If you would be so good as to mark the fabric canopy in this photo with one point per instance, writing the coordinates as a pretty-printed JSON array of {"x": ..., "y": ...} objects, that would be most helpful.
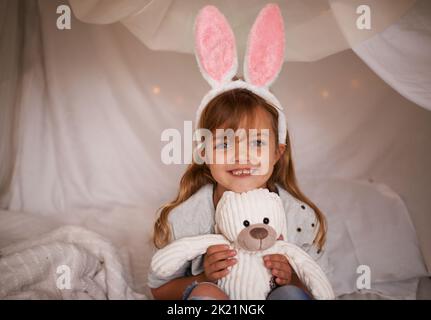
[
  {"x": 401, "y": 54},
  {"x": 398, "y": 50},
  {"x": 314, "y": 29}
]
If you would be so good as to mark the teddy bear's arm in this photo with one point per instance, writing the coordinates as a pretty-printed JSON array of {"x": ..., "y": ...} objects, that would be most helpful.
[
  {"x": 169, "y": 259},
  {"x": 308, "y": 271}
]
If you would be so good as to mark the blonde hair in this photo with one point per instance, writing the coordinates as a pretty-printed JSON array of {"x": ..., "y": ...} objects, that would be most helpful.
[{"x": 227, "y": 110}]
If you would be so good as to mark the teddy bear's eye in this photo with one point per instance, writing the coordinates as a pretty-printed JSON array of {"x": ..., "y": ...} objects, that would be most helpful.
[
  {"x": 246, "y": 223},
  {"x": 265, "y": 220}
]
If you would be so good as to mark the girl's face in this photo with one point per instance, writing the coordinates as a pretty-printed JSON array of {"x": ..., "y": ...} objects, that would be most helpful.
[{"x": 249, "y": 159}]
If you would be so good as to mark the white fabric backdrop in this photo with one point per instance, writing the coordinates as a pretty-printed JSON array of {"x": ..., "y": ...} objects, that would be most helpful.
[
  {"x": 314, "y": 28},
  {"x": 11, "y": 34},
  {"x": 401, "y": 54},
  {"x": 400, "y": 31},
  {"x": 94, "y": 100}
]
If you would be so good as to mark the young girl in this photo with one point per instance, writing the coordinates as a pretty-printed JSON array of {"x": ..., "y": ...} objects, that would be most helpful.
[
  {"x": 201, "y": 187},
  {"x": 237, "y": 104}
]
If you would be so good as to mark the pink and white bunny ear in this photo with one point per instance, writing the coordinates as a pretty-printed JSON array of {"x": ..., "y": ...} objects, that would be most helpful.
[
  {"x": 265, "y": 48},
  {"x": 215, "y": 46}
]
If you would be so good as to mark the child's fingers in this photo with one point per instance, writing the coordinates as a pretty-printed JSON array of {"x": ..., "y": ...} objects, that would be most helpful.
[
  {"x": 223, "y": 264},
  {"x": 220, "y": 255},
  {"x": 276, "y": 257},
  {"x": 281, "y": 282},
  {"x": 216, "y": 248},
  {"x": 281, "y": 274},
  {"x": 278, "y": 265},
  {"x": 280, "y": 268},
  {"x": 219, "y": 274}
]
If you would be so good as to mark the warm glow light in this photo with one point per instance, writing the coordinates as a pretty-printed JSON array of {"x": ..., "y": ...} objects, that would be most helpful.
[
  {"x": 354, "y": 83},
  {"x": 156, "y": 89},
  {"x": 324, "y": 93}
]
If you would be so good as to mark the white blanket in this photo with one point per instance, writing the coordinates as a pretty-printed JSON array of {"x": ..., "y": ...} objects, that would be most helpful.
[{"x": 67, "y": 263}]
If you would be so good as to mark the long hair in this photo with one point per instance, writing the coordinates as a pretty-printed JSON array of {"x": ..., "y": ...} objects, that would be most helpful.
[{"x": 227, "y": 110}]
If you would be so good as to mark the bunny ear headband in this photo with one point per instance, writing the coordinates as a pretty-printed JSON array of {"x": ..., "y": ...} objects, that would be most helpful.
[{"x": 215, "y": 51}]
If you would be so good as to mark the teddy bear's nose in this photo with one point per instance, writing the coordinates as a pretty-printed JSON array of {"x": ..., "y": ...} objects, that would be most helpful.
[{"x": 259, "y": 233}]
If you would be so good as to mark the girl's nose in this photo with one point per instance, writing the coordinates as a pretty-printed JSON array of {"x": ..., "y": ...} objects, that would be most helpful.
[{"x": 241, "y": 152}]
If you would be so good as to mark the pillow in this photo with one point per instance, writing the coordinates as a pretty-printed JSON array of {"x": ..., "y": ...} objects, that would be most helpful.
[{"x": 368, "y": 224}]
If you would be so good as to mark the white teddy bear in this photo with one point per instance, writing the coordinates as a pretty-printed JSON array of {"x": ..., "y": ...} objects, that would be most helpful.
[{"x": 250, "y": 222}]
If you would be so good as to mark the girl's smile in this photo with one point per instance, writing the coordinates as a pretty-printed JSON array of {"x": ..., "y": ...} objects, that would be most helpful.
[{"x": 243, "y": 172}]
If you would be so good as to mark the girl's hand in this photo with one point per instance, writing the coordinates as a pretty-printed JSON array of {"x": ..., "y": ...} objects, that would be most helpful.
[
  {"x": 280, "y": 268},
  {"x": 217, "y": 259}
]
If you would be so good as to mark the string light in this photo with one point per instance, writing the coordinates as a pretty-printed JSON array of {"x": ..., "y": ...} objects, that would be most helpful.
[
  {"x": 354, "y": 83},
  {"x": 324, "y": 93},
  {"x": 156, "y": 89}
]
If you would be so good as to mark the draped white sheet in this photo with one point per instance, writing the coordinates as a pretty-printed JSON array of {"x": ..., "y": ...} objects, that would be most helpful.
[
  {"x": 11, "y": 35},
  {"x": 314, "y": 28},
  {"x": 400, "y": 32},
  {"x": 92, "y": 103},
  {"x": 401, "y": 54}
]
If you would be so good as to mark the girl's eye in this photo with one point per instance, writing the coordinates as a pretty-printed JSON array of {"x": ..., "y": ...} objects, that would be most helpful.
[
  {"x": 265, "y": 220},
  {"x": 246, "y": 223},
  {"x": 258, "y": 143},
  {"x": 222, "y": 145}
]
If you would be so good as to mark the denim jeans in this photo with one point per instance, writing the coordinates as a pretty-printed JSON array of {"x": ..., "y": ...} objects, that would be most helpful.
[
  {"x": 190, "y": 288},
  {"x": 287, "y": 292}
]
